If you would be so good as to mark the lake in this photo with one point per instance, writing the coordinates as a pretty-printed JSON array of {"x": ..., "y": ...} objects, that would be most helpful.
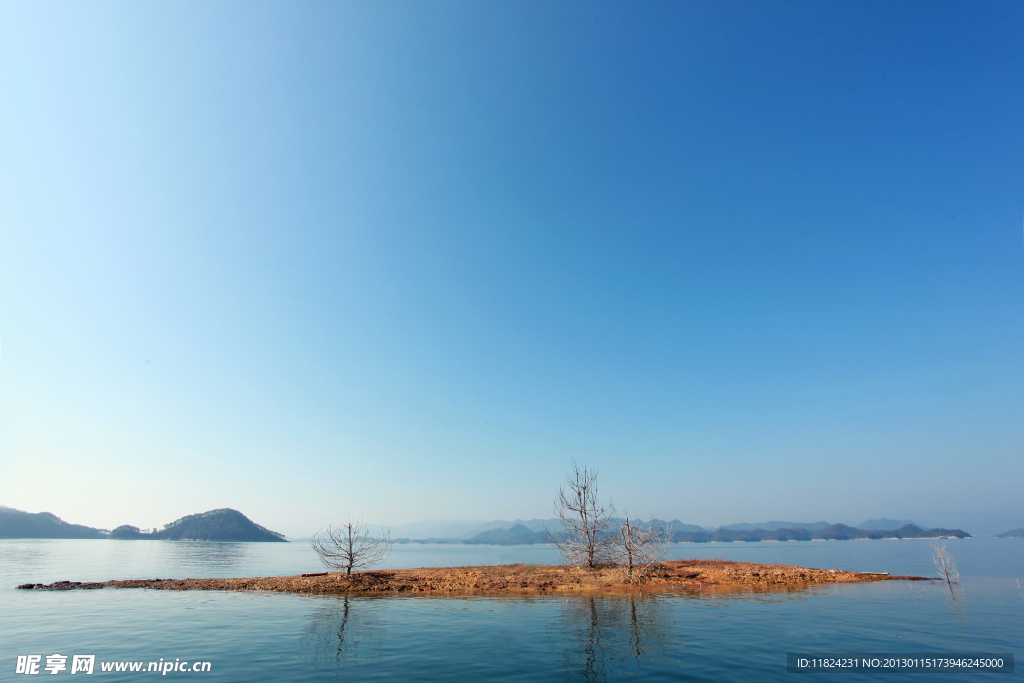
[{"x": 673, "y": 636}]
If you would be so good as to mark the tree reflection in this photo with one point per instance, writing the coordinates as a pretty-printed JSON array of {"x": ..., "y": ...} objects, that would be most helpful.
[
  {"x": 345, "y": 630},
  {"x": 614, "y": 635}
]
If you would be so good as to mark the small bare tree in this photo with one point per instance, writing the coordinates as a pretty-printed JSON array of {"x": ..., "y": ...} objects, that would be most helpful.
[
  {"x": 584, "y": 538},
  {"x": 640, "y": 547},
  {"x": 351, "y": 545},
  {"x": 944, "y": 563}
]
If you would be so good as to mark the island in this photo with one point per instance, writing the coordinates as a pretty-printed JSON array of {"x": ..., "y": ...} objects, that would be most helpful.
[
  {"x": 832, "y": 532},
  {"x": 516, "y": 579},
  {"x": 224, "y": 524},
  {"x": 518, "y": 533}
]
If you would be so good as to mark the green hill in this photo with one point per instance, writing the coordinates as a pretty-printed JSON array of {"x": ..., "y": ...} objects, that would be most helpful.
[
  {"x": 216, "y": 525},
  {"x": 20, "y": 524}
]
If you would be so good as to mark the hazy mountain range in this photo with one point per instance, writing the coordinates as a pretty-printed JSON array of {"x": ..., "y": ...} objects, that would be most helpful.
[
  {"x": 231, "y": 525},
  {"x": 477, "y": 531},
  {"x": 470, "y": 531},
  {"x": 837, "y": 532},
  {"x": 534, "y": 531},
  {"x": 978, "y": 523}
]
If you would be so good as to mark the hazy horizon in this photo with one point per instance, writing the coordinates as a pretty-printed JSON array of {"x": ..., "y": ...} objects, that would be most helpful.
[
  {"x": 395, "y": 260},
  {"x": 978, "y": 523}
]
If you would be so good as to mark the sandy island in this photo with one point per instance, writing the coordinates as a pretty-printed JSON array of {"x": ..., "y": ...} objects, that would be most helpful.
[{"x": 510, "y": 579}]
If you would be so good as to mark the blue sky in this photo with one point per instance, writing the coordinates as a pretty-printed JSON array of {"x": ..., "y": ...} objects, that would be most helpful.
[{"x": 405, "y": 260}]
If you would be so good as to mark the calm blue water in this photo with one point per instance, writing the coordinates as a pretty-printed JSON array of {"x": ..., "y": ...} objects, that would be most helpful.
[{"x": 689, "y": 635}]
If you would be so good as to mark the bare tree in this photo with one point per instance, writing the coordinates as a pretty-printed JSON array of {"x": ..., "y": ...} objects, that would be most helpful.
[
  {"x": 944, "y": 563},
  {"x": 640, "y": 548},
  {"x": 351, "y": 545},
  {"x": 584, "y": 538}
]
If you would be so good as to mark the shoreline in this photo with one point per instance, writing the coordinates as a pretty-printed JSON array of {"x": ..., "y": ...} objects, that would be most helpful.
[{"x": 515, "y": 579}]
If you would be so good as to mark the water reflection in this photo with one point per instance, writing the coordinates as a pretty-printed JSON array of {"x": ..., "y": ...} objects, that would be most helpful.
[
  {"x": 211, "y": 556},
  {"x": 612, "y": 635},
  {"x": 345, "y": 630},
  {"x": 575, "y": 638},
  {"x": 175, "y": 559}
]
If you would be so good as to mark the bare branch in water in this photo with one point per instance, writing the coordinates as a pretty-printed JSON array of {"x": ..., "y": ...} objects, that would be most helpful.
[
  {"x": 944, "y": 563},
  {"x": 947, "y": 567}
]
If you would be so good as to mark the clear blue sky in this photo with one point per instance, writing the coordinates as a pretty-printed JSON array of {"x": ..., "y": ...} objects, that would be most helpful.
[{"x": 405, "y": 260}]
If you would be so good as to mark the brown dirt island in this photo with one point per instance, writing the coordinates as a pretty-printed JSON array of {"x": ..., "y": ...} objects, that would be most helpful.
[{"x": 512, "y": 579}]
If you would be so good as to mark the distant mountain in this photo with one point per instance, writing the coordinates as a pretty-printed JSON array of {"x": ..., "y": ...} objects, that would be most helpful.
[
  {"x": 443, "y": 531},
  {"x": 839, "y": 532},
  {"x": 836, "y": 532},
  {"x": 438, "y": 528},
  {"x": 19, "y": 524},
  {"x": 769, "y": 526},
  {"x": 676, "y": 525},
  {"x": 516, "y": 535},
  {"x": 1012, "y": 533},
  {"x": 500, "y": 532},
  {"x": 981, "y": 523},
  {"x": 883, "y": 524},
  {"x": 519, "y": 532},
  {"x": 536, "y": 524},
  {"x": 746, "y": 535},
  {"x": 531, "y": 524},
  {"x": 448, "y": 531},
  {"x": 216, "y": 525}
]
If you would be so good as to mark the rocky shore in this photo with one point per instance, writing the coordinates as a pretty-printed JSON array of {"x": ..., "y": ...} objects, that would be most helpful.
[{"x": 509, "y": 579}]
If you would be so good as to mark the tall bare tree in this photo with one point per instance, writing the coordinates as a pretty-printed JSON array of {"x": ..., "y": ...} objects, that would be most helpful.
[
  {"x": 584, "y": 538},
  {"x": 641, "y": 547},
  {"x": 349, "y": 546}
]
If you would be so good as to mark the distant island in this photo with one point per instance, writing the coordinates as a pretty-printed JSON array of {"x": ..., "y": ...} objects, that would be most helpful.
[
  {"x": 20, "y": 524},
  {"x": 215, "y": 525},
  {"x": 519, "y": 534},
  {"x": 832, "y": 532},
  {"x": 1012, "y": 533}
]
